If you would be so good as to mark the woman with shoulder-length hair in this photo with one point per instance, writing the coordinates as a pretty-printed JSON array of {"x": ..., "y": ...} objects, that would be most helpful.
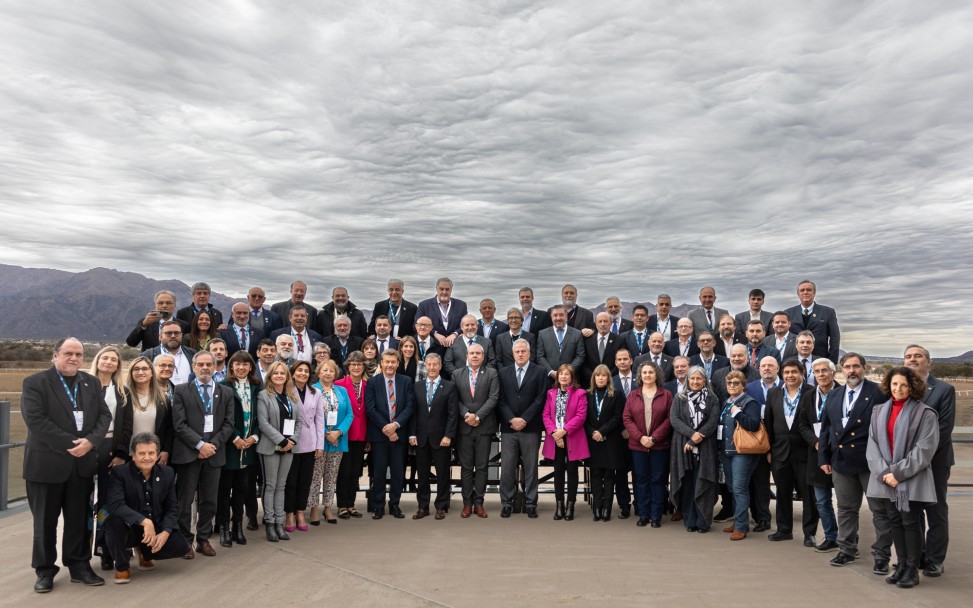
[
  {"x": 902, "y": 440},
  {"x": 279, "y": 421},
  {"x": 603, "y": 427},
  {"x": 740, "y": 410},
  {"x": 369, "y": 348},
  {"x": 564, "y": 416},
  {"x": 350, "y": 468},
  {"x": 241, "y": 455},
  {"x": 201, "y": 331},
  {"x": 646, "y": 418},
  {"x": 337, "y": 420},
  {"x": 693, "y": 458},
  {"x": 409, "y": 363},
  {"x": 308, "y": 448}
]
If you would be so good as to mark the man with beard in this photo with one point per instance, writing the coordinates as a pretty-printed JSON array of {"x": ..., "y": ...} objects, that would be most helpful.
[
  {"x": 284, "y": 347},
  {"x": 613, "y": 306},
  {"x": 217, "y": 348},
  {"x": 756, "y": 349},
  {"x": 304, "y": 339},
  {"x": 340, "y": 306},
  {"x": 577, "y": 317},
  {"x": 707, "y": 357},
  {"x": 172, "y": 345},
  {"x": 727, "y": 335},
  {"x": 342, "y": 342}
]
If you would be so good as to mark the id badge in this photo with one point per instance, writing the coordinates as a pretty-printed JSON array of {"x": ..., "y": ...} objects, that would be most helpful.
[
  {"x": 817, "y": 429},
  {"x": 288, "y": 426},
  {"x": 333, "y": 418},
  {"x": 719, "y": 433},
  {"x": 79, "y": 420},
  {"x": 790, "y": 421},
  {"x": 208, "y": 423},
  {"x": 395, "y": 331}
]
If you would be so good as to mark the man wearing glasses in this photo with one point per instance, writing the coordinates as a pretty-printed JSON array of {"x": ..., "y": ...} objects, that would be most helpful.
[
  {"x": 172, "y": 345},
  {"x": 147, "y": 330},
  {"x": 261, "y": 317}
]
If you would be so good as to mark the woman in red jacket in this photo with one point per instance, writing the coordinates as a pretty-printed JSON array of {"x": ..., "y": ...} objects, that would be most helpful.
[
  {"x": 566, "y": 444},
  {"x": 646, "y": 418}
]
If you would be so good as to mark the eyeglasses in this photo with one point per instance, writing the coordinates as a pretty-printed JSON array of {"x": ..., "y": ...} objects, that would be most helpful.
[
  {"x": 172, "y": 333},
  {"x": 733, "y": 383},
  {"x": 141, "y": 370},
  {"x": 166, "y": 366},
  {"x": 254, "y": 296}
]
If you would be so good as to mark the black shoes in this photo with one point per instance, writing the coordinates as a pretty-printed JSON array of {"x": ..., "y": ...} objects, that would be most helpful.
[
  {"x": 237, "y": 533},
  {"x": 881, "y": 567},
  {"x": 842, "y": 559},
  {"x": 271, "y": 530},
  {"x": 624, "y": 512},
  {"x": 225, "y": 539},
  {"x": 724, "y": 515},
  {"x": 252, "y": 524},
  {"x": 779, "y": 536},
  {"x": 909, "y": 578},
  {"x": 396, "y": 512},
  {"x": 655, "y": 523},
  {"x": 828, "y": 546},
  {"x": 933, "y": 570},
  {"x": 505, "y": 511},
  {"x": 87, "y": 576},
  {"x": 642, "y": 522},
  {"x": 569, "y": 511},
  {"x": 809, "y": 541},
  {"x": 45, "y": 582},
  {"x": 532, "y": 512},
  {"x": 378, "y": 513},
  {"x": 558, "y": 511},
  {"x": 762, "y": 526}
]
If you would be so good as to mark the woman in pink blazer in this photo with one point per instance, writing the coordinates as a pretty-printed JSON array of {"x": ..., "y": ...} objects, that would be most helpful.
[{"x": 566, "y": 444}]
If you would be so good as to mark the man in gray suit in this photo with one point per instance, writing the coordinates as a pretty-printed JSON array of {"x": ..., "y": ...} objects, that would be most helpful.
[
  {"x": 755, "y": 313},
  {"x": 707, "y": 316},
  {"x": 560, "y": 344},
  {"x": 478, "y": 388},
  {"x": 456, "y": 352},
  {"x": 781, "y": 337}
]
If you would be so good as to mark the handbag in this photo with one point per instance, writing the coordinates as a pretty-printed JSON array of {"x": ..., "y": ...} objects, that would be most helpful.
[{"x": 751, "y": 442}]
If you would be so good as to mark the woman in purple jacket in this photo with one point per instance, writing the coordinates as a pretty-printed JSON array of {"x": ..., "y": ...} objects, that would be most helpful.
[
  {"x": 310, "y": 445},
  {"x": 566, "y": 444}
]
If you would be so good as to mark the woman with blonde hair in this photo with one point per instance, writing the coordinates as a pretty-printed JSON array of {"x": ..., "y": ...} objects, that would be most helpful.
[{"x": 279, "y": 421}]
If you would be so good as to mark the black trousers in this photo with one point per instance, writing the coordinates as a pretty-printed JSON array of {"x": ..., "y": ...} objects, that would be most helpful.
[
  {"x": 427, "y": 456},
  {"x": 389, "y": 459},
  {"x": 937, "y": 518},
  {"x": 906, "y": 531},
  {"x": 233, "y": 494},
  {"x": 563, "y": 467},
  {"x": 255, "y": 483},
  {"x": 47, "y": 501},
  {"x": 197, "y": 477},
  {"x": 622, "y": 492},
  {"x": 120, "y": 537},
  {"x": 104, "y": 459},
  {"x": 349, "y": 473},
  {"x": 760, "y": 491},
  {"x": 789, "y": 476},
  {"x": 602, "y": 483},
  {"x": 299, "y": 482}
]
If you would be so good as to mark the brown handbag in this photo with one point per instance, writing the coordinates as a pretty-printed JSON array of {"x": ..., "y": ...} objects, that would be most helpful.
[{"x": 751, "y": 442}]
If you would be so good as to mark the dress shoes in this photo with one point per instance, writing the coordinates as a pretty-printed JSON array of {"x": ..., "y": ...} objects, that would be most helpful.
[
  {"x": 828, "y": 546},
  {"x": 189, "y": 554},
  {"x": 762, "y": 526},
  {"x": 532, "y": 512},
  {"x": 624, "y": 512},
  {"x": 478, "y": 509},
  {"x": 933, "y": 570},
  {"x": 702, "y": 530},
  {"x": 107, "y": 563},
  {"x": 677, "y": 516},
  {"x": 252, "y": 524},
  {"x": 569, "y": 511},
  {"x": 378, "y": 513},
  {"x": 396, "y": 512},
  {"x": 842, "y": 559},
  {"x": 467, "y": 511},
  {"x": 655, "y": 523},
  {"x": 123, "y": 577},
  {"x": 558, "y": 510},
  {"x": 724, "y": 515},
  {"x": 88, "y": 577},
  {"x": 737, "y": 535},
  {"x": 237, "y": 534},
  {"x": 203, "y": 546},
  {"x": 45, "y": 582},
  {"x": 779, "y": 536},
  {"x": 282, "y": 533},
  {"x": 729, "y": 529},
  {"x": 881, "y": 567},
  {"x": 440, "y": 514},
  {"x": 642, "y": 522},
  {"x": 809, "y": 541},
  {"x": 421, "y": 513},
  {"x": 505, "y": 511}
]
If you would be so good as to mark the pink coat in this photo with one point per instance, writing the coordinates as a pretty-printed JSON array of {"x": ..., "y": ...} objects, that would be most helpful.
[{"x": 575, "y": 412}]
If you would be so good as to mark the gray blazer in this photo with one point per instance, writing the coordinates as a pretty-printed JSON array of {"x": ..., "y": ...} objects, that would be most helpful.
[
  {"x": 700, "y": 324},
  {"x": 483, "y": 404},
  {"x": 915, "y": 467},
  {"x": 743, "y": 319},
  {"x": 268, "y": 419},
  {"x": 790, "y": 347},
  {"x": 550, "y": 356},
  {"x": 503, "y": 348},
  {"x": 456, "y": 354}
]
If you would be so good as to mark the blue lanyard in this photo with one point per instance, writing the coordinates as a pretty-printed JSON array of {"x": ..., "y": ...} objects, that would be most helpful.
[
  {"x": 823, "y": 399},
  {"x": 73, "y": 397},
  {"x": 789, "y": 404},
  {"x": 207, "y": 405},
  {"x": 598, "y": 402},
  {"x": 286, "y": 402},
  {"x": 392, "y": 314}
]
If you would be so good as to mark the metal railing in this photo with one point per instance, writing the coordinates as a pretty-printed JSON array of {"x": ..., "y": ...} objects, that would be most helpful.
[{"x": 5, "y": 447}]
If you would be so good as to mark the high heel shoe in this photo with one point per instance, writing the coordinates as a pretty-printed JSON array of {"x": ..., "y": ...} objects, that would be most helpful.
[
  {"x": 329, "y": 517},
  {"x": 314, "y": 519}
]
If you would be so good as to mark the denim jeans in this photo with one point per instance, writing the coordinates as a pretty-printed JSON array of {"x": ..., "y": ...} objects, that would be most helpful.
[
  {"x": 822, "y": 497},
  {"x": 738, "y": 468}
]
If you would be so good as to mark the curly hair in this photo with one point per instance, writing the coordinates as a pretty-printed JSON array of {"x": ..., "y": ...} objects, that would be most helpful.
[{"x": 917, "y": 386}]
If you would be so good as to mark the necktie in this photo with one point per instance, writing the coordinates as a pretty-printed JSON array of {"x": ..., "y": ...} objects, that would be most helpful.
[
  {"x": 243, "y": 338},
  {"x": 429, "y": 386},
  {"x": 560, "y": 338},
  {"x": 627, "y": 385},
  {"x": 709, "y": 318},
  {"x": 601, "y": 348},
  {"x": 381, "y": 348},
  {"x": 638, "y": 338},
  {"x": 208, "y": 403},
  {"x": 753, "y": 357},
  {"x": 520, "y": 376},
  {"x": 472, "y": 383},
  {"x": 300, "y": 342},
  {"x": 471, "y": 342},
  {"x": 391, "y": 400},
  {"x": 851, "y": 400},
  {"x": 807, "y": 368},
  {"x": 806, "y": 316},
  {"x": 615, "y": 326},
  {"x": 656, "y": 359}
]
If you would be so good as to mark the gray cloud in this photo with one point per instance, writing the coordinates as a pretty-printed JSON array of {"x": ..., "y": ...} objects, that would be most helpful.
[{"x": 627, "y": 148}]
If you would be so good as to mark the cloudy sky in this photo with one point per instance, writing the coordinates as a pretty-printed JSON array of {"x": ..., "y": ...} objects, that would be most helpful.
[{"x": 627, "y": 147}]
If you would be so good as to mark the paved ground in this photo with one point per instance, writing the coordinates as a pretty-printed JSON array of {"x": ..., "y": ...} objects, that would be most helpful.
[{"x": 497, "y": 562}]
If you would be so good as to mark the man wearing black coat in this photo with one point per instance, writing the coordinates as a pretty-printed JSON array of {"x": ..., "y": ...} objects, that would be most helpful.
[{"x": 431, "y": 431}]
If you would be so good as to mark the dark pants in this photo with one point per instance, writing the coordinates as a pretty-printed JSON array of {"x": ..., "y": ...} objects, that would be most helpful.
[
  {"x": 197, "y": 477},
  {"x": 120, "y": 537},
  {"x": 427, "y": 456},
  {"x": 651, "y": 472},
  {"x": 389, "y": 457},
  {"x": 788, "y": 475},
  {"x": 602, "y": 483},
  {"x": 255, "y": 484},
  {"x": 349, "y": 472},
  {"x": 299, "y": 482},
  {"x": 233, "y": 494},
  {"x": 906, "y": 531},
  {"x": 47, "y": 501},
  {"x": 622, "y": 492},
  {"x": 691, "y": 517},
  {"x": 474, "y": 457},
  {"x": 760, "y": 491},
  {"x": 563, "y": 467},
  {"x": 104, "y": 459},
  {"x": 937, "y": 518}
]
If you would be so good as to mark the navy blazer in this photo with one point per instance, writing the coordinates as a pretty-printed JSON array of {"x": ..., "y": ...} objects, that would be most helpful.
[
  {"x": 653, "y": 325},
  {"x": 539, "y": 319},
  {"x": 719, "y": 362},
  {"x": 629, "y": 342},
  {"x": 790, "y": 346},
  {"x": 499, "y": 327},
  {"x": 503, "y": 347},
  {"x": 672, "y": 347},
  {"x": 231, "y": 335},
  {"x": 406, "y": 319},
  {"x": 269, "y": 321},
  {"x": 823, "y": 324},
  {"x": 377, "y": 406},
  {"x": 526, "y": 401},
  {"x": 941, "y": 396},
  {"x": 433, "y": 421},
  {"x": 430, "y": 308},
  {"x": 633, "y": 385},
  {"x": 313, "y": 336},
  {"x": 126, "y": 495},
  {"x": 843, "y": 447}
]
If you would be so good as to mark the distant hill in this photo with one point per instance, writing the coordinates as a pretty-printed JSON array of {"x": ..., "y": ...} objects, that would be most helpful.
[
  {"x": 967, "y": 356},
  {"x": 100, "y": 304}
]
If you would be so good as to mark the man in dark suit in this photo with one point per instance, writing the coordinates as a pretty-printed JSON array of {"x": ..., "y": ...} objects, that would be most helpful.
[
  {"x": 636, "y": 340},
  {"x": 390, "y": 403},
  {"x": 182, "y": 356},
  {"x": 600, "y": 348},
  {"x": 432, "y": 431},
  {"x": 707, "y": 316},
  {"x": 781, "y": 337},
  {"x": 341, "y": 342},
  {"x": 613, "y": 306},
  {"x": 202, "y": 416},
  {"x": 523, "y": 391},
  {"x": 756, "y": 349},
  {"x": 298, "y": 293},
  {"x": 400, "y": 312},
  {"x": 534, "y": 320},
  {"x": 625, "y": 382},
  {"x": 66, "y": 418},
  {"x": 240, "y": 335},
  {"x": 684, "y": 343},
  {"x": 941, "y": 396},
  {"x": 143, "y": 512},
  {"x": 503, "y": 344},
  {"x": 820, "y": 320},
  {"x": 147, "y": 330},
  {"x": 425, "y": 340},
  {"x": 680, "y": 371},
  {"x": 445, "y": 311},
  {"x": 201, "y": 294},
  {"x": 845, "y": 423},
  {"x": 560, "y": 344},
  {"x": 479, "y": 392},
  {"x": 804, "y": 345},
  {"x": 304, "y": 338},
  {"x": 577, "y": 317},
  {"x": 662, "y": 321},
  {"x": 340, "y": 306},
  {"x": 261, "y": 317},
  {"x": 383, "y": 334},
  {"x": 655, "y": 355},
  {"x": 456, "y": 354},
  {"x": 707, "y": 358},
  {"x": 726, "y": 335},
  {"x": 754, "y": 313},
  {"x": 488, "y": 326}
]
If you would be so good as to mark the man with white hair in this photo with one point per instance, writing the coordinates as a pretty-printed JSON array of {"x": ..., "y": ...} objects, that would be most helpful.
[{"x": 456, "y": 353}]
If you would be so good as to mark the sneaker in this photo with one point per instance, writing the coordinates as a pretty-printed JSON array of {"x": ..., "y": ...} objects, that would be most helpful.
[
  {"x": 842, "y": 559},
  {"x": 828, "y": 546},
  {"x": 123, "y": 577},
  {"x": 144, "y": 564}
]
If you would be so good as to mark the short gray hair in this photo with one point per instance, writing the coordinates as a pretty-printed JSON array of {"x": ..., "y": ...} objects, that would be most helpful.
[
  {"x": 200, "y": 285},
  {"x": 163, "y": 291}
]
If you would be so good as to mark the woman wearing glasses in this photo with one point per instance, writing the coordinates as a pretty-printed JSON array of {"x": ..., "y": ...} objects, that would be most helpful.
[{"x": 740, "y": 410}]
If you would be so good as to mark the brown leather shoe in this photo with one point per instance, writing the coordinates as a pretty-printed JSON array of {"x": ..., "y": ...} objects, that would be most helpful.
[
  {"x": 440, "y": 514},
  {"x": 738, "y": 535},
  {"x": 677, "y": 516},
  {"x": 191, "y": 553},
  {"x": 123, "y": 577},
  {"x": 205, "y": 548},
  {"x": 729, "y": 529},
  {"x": 421, "y": 513},
  {"x": 478, "y": 509},
  {"x": 467, "y": 511}
]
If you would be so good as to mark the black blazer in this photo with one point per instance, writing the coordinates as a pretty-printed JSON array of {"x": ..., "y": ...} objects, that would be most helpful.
[
  {"x": 231, "y": 335},
  {"x": 672, "y": 347},
  {"x": 283, "y": 309},
  {"x": 188, "y": 419},
  {"x": 719, "y": 380},
  {"x": 582, "y": 319},
  {"x": 823, "y": 323},
  {"x": 122, "y": 433},
  {"x": 539, "y": 319},
  {"x": 653, "y": 324},
  {"x": 844, "y": 447},
  {"x": 353, "y": 343},
  {"x": 629, "y": 342},
  {"x": 941, "y": 396},
  {"x": 148, "y": 337},
  {"x": 526, "y": 401},
  {"x": 430, "y": 308},
  {"x": 605, "y": 454},
  {"x": 591, "y": 359},
  {"x": 377, "y": 408},
  {"x": 187, "y": 313},
  {"x": 665, "y": 362},
  {"x": 719, "y": 362},
  {"x": 406, "y": 318},
  {"x": 785, "y": 443},
  {"x": 126, "y": 495},
  {"x": 503, "y": 348},
  {"x": 433, "y": 421},
  {"x": 623, "y": 326},
  {"x": 51, "y": 430},
  {"x": 807, "y": 419},
  {"x": 313, "y": 336},
  {"x": 324, "y": 320},
  {"x": 498, "y": 328}
]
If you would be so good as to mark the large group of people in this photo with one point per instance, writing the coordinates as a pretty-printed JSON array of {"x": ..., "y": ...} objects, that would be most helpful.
[{"x": 282, "y": 403}]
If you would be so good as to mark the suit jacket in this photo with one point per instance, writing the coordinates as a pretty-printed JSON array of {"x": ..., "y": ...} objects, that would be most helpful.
[
  {"x": 941, "y": 396},
  {"x": 592, "y": 360},
  {"x": 483, "y": 404},
  {"x": 742, "y": 320},
  {"x": 719, "y": 362},
  {"x": 755, "y": 389},
  {"x": 231, "y": 335},
  {"x": 823, "y": 324},
  {"x": 433, "y": 421},
  {"x": 790, "y": 347},
  {"x": 539, "y": 319},
  {"x": 188, "y": 312},
  {"x": 148, "y": 337},
  {"x": 498, "y": 327},
  {"x": 377, "y": 407},
  {"x": 51, "y": 429},
  {"x": 719, "y": 380},
  {"x": 653, "y": 325},
  {"x": 805, "y": 425},
  {"x": 406, "y": 318},
  {"x": 241, "y": 430},
  {"x": 844, "y": 446},
  {"x": 700, "y": 323},
  {"x": 456, "y": 354},
  {"x": 575, "y": 412},
  {"x": 620, "y": 388},
  {"x": 525, "y": 401},
  {"x": 324, "y": 320},
  {"x": 430, "y": 308},
  {"x": 268, "y": 321},
  {"x": 503, "y": 348},
  {"x": 672, "y": 347},
  {"x": 188, "y": 420},
  {"x": 720, "y": 348},
  {"x": 665, "y": 362},
  {"x": 764, "y": 350},
  {"x": 334, "y": 343},
  {"x": 571, "y": 351},
  {"x": 623, "y": 326},
  {"x": 270, "y": 424},
  {"x": 283, "y": 309},
  {"x": 582, "y": 319},
  {"x": 786, "y": 442},
  {"x": 312, "y": 336},
  {"x": 433, "y": 346},
  {"x": 672, "y": 386},
  {"x": 630, "y": 342},
  {"x": 126, "y": 495}
]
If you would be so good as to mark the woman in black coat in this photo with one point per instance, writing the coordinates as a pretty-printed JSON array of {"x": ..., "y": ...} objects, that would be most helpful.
[
  {"x": 694, "y": 453},
  {"x": 603, "y": 427}
]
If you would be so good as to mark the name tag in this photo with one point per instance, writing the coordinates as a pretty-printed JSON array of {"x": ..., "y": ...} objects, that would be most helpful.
[
  {"x": 790, "y": 421},
  {"x": 208, "y": 423},
  {"x": 333, "y": 418},
  {"x": 817, "y": 429},
  {"x": 395, "y": 330},
  {"x": 719, "y": 433},
  {"x": 844, "y": 422},
  {"x": 79, "y": 420},
  {"x": 288, "y": 426}
]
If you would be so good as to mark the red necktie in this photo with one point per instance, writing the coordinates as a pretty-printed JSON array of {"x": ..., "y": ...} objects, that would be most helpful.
[{"x": 300, "y": 342}]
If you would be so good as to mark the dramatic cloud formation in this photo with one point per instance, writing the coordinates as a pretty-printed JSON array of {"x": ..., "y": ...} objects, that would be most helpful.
[{"x": 627, "y": 147}]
